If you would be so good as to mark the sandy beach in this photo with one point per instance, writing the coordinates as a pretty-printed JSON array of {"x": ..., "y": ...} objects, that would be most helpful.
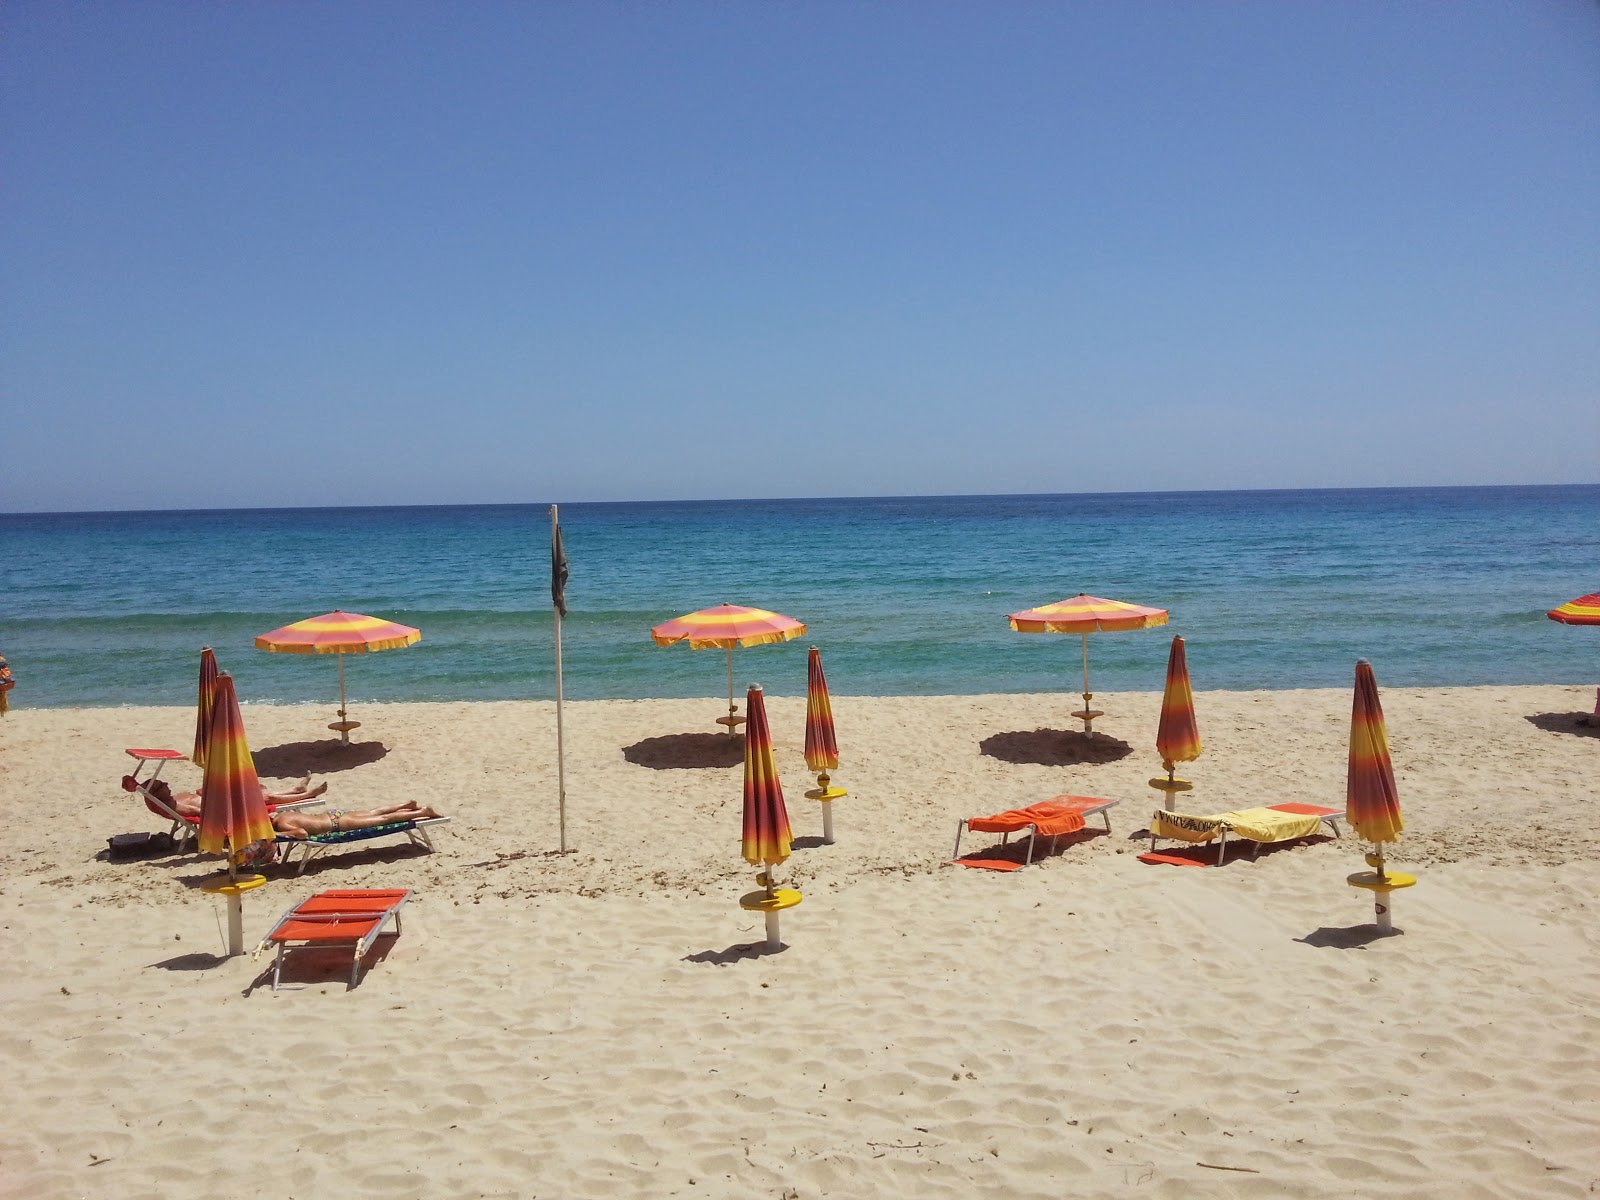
[{"x": 608, "y": 1022}]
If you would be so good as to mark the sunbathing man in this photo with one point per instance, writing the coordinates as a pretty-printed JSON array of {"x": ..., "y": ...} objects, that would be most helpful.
[
  {"x": 187, "y": 804},
  {"x": 301, "y": 825}
]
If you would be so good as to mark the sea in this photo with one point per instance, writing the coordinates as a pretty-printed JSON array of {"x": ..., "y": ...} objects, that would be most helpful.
[{"x": 903, "y": 596}]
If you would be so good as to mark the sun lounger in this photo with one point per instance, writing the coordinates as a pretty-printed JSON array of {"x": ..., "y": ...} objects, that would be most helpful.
[
  {"x": 309, "y": 847},
  {"x": 1048, "y": 818},
  {"x": 334, "y": 917},
  {"x": 183, "y": 826},
  {"x": 1274, "y": 823}
]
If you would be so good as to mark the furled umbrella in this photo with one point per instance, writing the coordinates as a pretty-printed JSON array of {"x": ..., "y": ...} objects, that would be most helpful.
[
  {"x": 1585, "y": 610},
  {"x": 339, "y": 633},
  {"x": 723, "y": 628},
  {"x": 1084, "y": 614},
  {"x": 764, "y": 839},
  {"x": 233, "y": 807},
  {"x": 822, "y": 747},
  {"x": 1372, "y": 802},
  {"x": 1177, "y": 734},
  {"x": 205, "y": 702}
]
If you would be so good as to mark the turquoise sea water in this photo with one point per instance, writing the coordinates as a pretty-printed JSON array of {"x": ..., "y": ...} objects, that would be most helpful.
[{"x": 904, "y": 596}]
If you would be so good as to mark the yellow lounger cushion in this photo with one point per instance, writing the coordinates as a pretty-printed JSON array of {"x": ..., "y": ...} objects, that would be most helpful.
[{"x": 1254, "y": 824}]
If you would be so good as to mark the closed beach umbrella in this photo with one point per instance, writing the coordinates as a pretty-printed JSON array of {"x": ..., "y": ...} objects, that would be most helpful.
[
  {"x": 1177, "y": 734},
  {"x": 1084, "y": 614},
  {"x": 723, "y": 628},
  {"x": 765, "y": 838},
  {"x": 1372, "y": 803},
  {"x": 822, "y": 748},
  {"x": 233, "y": 808},
  {"x": 203, "y": 706},
  {"x": 339, "y": 633}
]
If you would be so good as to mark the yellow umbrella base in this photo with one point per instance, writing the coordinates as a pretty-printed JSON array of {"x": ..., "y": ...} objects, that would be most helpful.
[
  {"x": 828, "y": 793},
  {"x": 731, "y": 722},
  {"x": 780, "y": 899},
  {"x": 1393, "y": 881},
  {"x": 1172, "y": 785}
]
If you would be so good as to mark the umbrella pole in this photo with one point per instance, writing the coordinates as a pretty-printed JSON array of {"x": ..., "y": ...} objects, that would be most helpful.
[
  {"x": 344, "y": 734},
  {"x": 733, "y": 709}
]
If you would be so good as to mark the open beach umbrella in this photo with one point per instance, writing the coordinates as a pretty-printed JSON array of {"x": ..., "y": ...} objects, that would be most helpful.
[
  {"x": 233, "y": 807},
  {"x": 339, "y": 633},
  {"x": 1177, "y": 734},
  {"x": 203, "y": 706},
  {"x": 822, "y": 747},
  {"x": 1084, "y": 614},
  {"x": 723, "y": 628},
  {"x": 1585, "y": 610}
]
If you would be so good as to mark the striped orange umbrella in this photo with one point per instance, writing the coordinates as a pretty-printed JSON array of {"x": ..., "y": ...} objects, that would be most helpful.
[
  {"x": 1084, "y": 614},
  {"x": 233, "y": 808},
  {"x": 1585, "y": 610},
  {"x": 1372, "y": 803},
  {"x": 203, "y": 706},
  {"x": 1177, "y": 735},
  {"x": 339, "y": 633},
  {"x": 765, "y": 838},
  {"x": 723, "y": 628},
  {"x": 822, "y": 747}
]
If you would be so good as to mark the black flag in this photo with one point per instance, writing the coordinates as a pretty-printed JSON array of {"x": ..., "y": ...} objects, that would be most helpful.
[{"x": 558, "y": 572}]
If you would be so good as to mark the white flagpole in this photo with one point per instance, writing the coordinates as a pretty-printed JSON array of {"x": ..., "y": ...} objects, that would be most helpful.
[{"x": 561, "y": 759}]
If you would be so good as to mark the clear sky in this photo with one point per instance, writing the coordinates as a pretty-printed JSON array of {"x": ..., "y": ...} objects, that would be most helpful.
[{"x": 375, "y": 253}]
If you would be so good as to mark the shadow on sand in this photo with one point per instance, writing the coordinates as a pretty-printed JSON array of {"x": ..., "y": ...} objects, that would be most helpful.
[
  {"x": 682, "y": 751},
  {"x": 733, "y": 954},
  {"x": 323, "y": 966},
  {"x": 1579, "y": 724},
  {"x": 1015, "y": 852},
  {"x": 294, "y": 759},
  {"x": 1357, "y": 937},
  {"x": 1054, "y": 747}
]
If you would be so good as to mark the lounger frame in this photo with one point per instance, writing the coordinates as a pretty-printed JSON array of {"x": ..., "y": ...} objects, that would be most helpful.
[
  {"x": 1330, "y": 819},
  {"x": 1103, "y": 810},
  {"x": 415, "y": 831},
  {"x": 348, "y": 911}
]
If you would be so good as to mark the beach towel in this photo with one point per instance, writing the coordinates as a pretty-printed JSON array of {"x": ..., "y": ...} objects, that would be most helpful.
[{"x": 1048, "y": 817}]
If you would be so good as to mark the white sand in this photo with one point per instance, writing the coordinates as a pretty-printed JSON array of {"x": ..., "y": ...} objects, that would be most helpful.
[{"x": 607, "y": 1023}]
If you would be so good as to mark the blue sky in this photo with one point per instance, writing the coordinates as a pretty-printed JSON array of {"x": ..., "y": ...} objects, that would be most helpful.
[{"x": 320, "y": 253}]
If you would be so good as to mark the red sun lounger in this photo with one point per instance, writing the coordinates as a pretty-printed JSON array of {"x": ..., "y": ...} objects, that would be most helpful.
[
  {"x": 1049, "y": 818},
  {"x": 351, "y": 917}
]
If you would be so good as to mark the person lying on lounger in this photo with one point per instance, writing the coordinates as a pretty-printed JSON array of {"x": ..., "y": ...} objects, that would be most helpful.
[
  {"x": 301, "y": 825},
  {"x": 187, "y": 804}
]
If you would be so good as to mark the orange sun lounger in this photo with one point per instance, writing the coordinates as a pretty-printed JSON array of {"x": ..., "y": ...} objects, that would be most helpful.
[
  {"x": 352, "y": 916},
  {"x": 1048, "y": 818}
]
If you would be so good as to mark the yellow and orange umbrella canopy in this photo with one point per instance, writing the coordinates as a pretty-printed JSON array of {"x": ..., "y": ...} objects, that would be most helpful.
[
  {"x": 765, "y": 838},
  {"x": 339, "y": 633},
  {"x": 203, "y": 705},
  {"x": 233, "y": 809},
  {"x": 1177, "y": 735},
  {"x": 1372, "y": 802},
  {"x": 822, "y": 747},
  {"x": 1087, "y": 614},
  {"x": 723, "y": 628},
  {"x": 1585, "y": 610},
  {"x": 1084, "y": 614}
]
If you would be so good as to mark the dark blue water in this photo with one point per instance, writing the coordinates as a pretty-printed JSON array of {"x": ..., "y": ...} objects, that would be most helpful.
[{"x": 904, "y": 596}]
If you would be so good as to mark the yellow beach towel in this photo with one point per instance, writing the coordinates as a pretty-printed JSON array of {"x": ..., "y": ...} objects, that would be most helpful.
[{"x": 1255, "y": 824}]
